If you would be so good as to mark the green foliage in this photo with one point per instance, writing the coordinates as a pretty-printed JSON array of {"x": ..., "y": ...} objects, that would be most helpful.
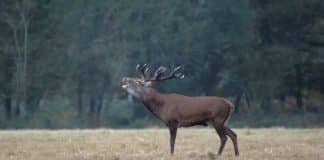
[
  {"x": 120, "y": 113},
  {"x": 259, "y": 53}
]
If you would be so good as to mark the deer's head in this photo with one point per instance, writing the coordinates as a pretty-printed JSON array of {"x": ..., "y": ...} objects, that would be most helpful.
[{"x": 141, "y": 85}]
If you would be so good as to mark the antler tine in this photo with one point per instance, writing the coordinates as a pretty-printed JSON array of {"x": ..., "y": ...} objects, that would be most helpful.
[
  {"x": 147, "y": 69},
  {"x": 158, "y": 73},
  {"x": 138, "y": 66},
  {"x": 143, "y": 69},
  {"x": 175, "y": 74}
]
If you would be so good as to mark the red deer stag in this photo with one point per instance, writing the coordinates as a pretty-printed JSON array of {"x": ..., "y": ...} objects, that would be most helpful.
[{"x": 177, "y": 110}]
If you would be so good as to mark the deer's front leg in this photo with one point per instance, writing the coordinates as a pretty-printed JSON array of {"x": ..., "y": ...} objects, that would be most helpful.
[{"x": 173, "y": 135}]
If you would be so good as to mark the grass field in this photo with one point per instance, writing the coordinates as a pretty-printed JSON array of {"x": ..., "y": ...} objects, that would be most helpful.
[{"x": 147, "y": 144}]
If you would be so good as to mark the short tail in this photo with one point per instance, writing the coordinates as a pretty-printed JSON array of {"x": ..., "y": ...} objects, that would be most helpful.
[{"x": 231, "y": 110}]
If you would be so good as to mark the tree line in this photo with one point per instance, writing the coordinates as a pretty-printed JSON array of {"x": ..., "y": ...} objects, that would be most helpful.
[{"x": 62, "y": 61}]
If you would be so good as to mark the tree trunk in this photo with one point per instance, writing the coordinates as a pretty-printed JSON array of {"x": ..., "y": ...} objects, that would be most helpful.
[
  {"x": 282, "y": 100},
  {"x": 17, "y": 74},
  {"x": 79, "y": 97},
  {"x": 237, "y": 103},
  {"x": 25, "y": 57},
  {"x": 17, "y": 110},
  {"x": 99, "y": 105},
  {"x": 8, "y": 88},
  {"x": 248, "y": 100},
  {"x": 299, "y": 86},
  {"x": 32, "y": 103},
  {"x": 92, "y": 105},
  {"x": 92, "y": 110},
  {"x": 99, "y": 108},
  {"x": 265, "y": 104},
  {"x": 8, "y": 107},
  {"x": 21, "y": 45}
]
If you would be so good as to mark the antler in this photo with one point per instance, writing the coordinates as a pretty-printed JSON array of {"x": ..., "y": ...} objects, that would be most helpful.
[
  {"x": 174, "y": 74},
  {"x": 143, "y": 69},
  {"x": 158, "y": 73}
]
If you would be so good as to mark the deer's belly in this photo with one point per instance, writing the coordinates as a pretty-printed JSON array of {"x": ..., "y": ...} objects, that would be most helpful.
[
  {"x": 192, "y": 120},
  {"x": 194, "y": 123},
  {"x": 196, "y": 118}
]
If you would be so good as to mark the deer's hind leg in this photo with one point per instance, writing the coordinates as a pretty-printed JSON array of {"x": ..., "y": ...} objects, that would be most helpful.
[
  {"x": 233, "y": 137},
  {"x": 221, "y": 131}
]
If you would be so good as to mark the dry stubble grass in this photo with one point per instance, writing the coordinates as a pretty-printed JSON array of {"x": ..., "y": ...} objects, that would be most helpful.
[{"x": 275, "y": 143}]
